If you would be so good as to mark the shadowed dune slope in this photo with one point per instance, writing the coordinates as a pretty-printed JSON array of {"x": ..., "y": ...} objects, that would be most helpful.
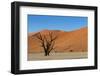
[{"x": 73, "y": 41}]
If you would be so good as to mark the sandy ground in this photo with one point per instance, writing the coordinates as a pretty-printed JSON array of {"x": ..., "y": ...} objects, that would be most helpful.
[{"x": 57, "y": 56}]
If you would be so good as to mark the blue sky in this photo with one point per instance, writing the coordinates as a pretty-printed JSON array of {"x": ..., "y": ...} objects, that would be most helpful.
[{"x": 65, "y": 23}]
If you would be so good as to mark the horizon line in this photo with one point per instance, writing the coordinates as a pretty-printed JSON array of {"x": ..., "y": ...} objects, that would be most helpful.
[{"x": 61, "y": 30}]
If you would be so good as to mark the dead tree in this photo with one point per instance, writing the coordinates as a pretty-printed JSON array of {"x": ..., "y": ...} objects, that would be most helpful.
[{"x": 47, "y": 42}]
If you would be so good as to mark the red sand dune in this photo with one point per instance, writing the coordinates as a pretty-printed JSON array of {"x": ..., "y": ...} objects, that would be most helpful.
[{"x": 73, "y": 41}]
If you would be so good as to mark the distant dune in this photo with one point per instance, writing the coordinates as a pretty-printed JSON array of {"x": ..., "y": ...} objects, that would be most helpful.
[{"x": 73, "y": 41}]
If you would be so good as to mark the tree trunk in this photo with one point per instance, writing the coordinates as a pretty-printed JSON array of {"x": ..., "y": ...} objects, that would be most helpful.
[{"x": 46, "y": 53}]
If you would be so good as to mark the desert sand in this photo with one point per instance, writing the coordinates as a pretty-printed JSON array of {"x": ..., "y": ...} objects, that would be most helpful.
[
  {"x": 57, "y": 56},
  {"x": 68, "y": 45}
]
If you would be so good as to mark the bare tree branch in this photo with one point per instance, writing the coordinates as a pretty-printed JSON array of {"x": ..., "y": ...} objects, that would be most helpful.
[
  {"x": 47, "y": 43},
  {"x": 52, "y": 36}
]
